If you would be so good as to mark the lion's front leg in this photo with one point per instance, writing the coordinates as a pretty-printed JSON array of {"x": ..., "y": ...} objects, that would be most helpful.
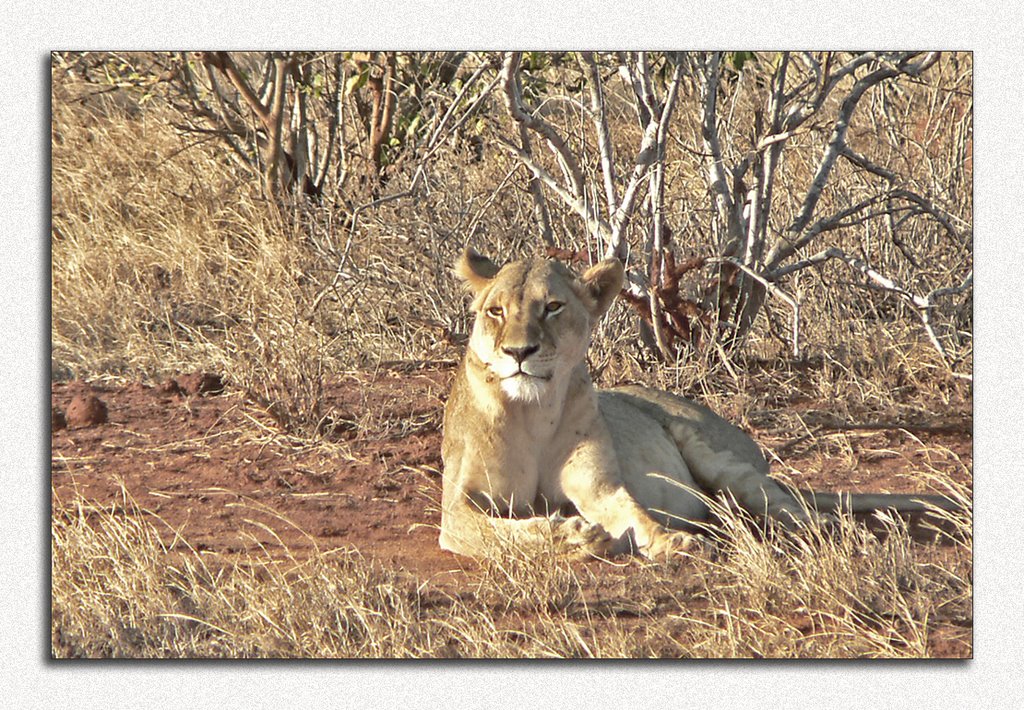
[
  {"x": 591, "y": 479},
  {"x": 468, "y": 528}
]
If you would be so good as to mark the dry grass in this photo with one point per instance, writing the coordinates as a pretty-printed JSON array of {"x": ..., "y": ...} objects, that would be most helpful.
[
  {"x": 165, "y": 260},
  {"x": 118, "y": 591}
]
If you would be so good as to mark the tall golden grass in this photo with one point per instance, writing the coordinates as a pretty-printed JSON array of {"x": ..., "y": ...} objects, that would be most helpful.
[{"x": 118, "y": 591}]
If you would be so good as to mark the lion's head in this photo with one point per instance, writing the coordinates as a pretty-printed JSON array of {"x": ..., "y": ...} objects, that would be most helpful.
[{"x": 533, "y": 318}]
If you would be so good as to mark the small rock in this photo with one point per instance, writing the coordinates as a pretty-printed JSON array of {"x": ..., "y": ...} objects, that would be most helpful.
[
  {"x": 169, "y": 387},
  {"x": 86, "y": 410},
  {"x": 57, "y": 419}
]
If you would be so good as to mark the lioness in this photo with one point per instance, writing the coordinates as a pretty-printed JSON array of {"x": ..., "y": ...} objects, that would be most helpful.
[{"x": 527, "y": 437}]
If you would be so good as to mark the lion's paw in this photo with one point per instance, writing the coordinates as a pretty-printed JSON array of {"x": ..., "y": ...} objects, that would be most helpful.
[{"x": 577, "y": 532}]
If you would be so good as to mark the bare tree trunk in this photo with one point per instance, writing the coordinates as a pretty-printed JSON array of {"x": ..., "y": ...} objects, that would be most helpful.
[
  {"x": 272, "y": 168},
  {"x": 382, "y": 89},
  {"x": 271, "y": 114},
  {"x": 656, "y": 266}
]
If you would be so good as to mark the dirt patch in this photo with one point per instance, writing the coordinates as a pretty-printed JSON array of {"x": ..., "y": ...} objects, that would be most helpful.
[
  {"x": 216, "y": 472},
  {"x": 199, "y": 383}
]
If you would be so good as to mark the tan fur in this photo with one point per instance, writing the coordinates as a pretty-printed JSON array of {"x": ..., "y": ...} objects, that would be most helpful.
[{"x": 528, "y": 439}]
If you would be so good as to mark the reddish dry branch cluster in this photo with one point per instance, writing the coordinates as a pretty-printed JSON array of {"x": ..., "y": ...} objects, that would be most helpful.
[{"x": 680, "y": 316}]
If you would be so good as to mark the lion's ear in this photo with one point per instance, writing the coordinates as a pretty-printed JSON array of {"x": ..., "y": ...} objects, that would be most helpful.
[
  {"x": 602, "y": 282},
  {"x": 475, "y": 270}
]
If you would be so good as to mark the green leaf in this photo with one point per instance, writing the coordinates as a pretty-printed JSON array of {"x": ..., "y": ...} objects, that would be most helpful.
[
  {"x": 738, "y": 59},
  {"x": 356, "y": 81},
  {"x": 414, "y": 126}
]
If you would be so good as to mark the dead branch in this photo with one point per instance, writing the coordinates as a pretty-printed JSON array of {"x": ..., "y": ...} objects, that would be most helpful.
[
  {"x": 540, "y": 205},
  {"x": 926, "y": 206},
  {"x": 864, "y": 164},
  {"x": 468, "y": 84},
  {"x": 225, "y": 125},
  {"x": 616, "y": 244},
  {"x": 270, "y": 114},
  {"x": 652, "y": 149},
  {"x": 302, "y": 143},
  {"x": 844, "y": 218},
  {"x": 772, "y": 288},
  {"x": 837, "y": 142},
  {"x": 513, "y": 102},
  {"x": 334, "y": 119},
  {"x": 657, "y": 200},
  {"x": 382, "y": 89},
  {"x": 741, "y": 172},
  {"x": 629, "y": 77},
  {"x": 595, "y": 224},
  {"x": 646, "y": 86},
  {"x": 604, "y": 140},
  {"x": 922, "y": 305},
  {"x": 440, "y": 134},
  {"x": 722, "y": 195},
  {"x": 223, "y": 62},
  {"x": 444, "y": 131},
  {"x": 572, "y": 192},
  {"x": 272, "y": 168}
]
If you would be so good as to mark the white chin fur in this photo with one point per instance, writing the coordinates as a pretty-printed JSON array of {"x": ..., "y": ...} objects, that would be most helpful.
[{"x": 524, "y": 389}]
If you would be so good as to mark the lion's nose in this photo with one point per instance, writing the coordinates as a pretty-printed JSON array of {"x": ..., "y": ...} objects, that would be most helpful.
[{"x": 520, "y": 354}]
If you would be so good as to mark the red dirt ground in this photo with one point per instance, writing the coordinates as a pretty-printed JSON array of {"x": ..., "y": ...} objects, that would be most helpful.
[{"x": 217, "y": 472}]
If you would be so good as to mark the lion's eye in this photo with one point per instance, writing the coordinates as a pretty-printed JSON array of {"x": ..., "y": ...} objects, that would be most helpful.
[
  {"x": 496, "y": 312},
  {"x": 553, "y": 307}
]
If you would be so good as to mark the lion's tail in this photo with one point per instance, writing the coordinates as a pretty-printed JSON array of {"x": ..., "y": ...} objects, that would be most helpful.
[{"x": 868, "y": 502}]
